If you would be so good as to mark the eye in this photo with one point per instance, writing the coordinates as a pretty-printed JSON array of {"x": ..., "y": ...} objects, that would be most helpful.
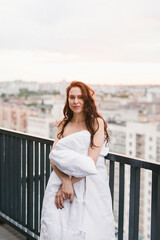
[
  {"x": 80, "y": 97},
  {"x": 71, "y": 97}
]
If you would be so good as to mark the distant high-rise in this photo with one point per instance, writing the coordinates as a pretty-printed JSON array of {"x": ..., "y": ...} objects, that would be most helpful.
[{"x": 137, "y": 140}]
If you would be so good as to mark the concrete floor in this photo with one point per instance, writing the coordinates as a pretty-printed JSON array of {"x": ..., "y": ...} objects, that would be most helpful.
[{"x": 8, "y": 233}]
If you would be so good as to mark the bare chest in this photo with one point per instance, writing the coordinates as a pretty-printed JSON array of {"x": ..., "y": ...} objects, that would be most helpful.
[{"x": 70, "y": 129}]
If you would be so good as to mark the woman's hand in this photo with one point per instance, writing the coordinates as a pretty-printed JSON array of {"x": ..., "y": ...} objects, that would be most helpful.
[
  {"x": 59, "y": 198},
  {"x": 65, "y": 192},
  {"x": 67, "y": 189}
]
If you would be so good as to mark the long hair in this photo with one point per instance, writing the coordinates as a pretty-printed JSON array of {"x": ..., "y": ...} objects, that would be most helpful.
[{"x": 89, "y": 109}]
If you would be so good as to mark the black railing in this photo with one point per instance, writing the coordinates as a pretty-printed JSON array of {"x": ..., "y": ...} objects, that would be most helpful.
[
  {"x": 24, "y": 172},
  {"x": 136, "y": 165}
]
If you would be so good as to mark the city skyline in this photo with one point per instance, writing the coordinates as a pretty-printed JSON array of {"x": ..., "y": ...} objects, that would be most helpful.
[{"x": 94, "y": 42}]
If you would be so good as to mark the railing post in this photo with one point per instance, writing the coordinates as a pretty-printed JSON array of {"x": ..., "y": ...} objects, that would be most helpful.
[
  {"x": 111, "y": 180},
  {"x": 134, "y": 203},
  {"x": 0, "y": 172},
  {"x": 158, "y": 207},
  {"x": 155, "y": 213},
  {"x": 1, "y": 169},
  {"x": 121, "y": 201},
  {"x": 30, "y": 185}
]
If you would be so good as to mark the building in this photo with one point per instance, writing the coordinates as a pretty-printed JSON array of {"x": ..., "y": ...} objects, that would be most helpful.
[
  {"x": 138, "y": 140},
  {"x": 15, "y": 117},
  {"x": 44, "y": 124}
]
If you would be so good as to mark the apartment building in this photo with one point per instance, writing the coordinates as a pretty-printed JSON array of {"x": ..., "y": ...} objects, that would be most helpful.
[
  {"x": 15, "y": 117},
  {"x": 137, "y": 140}
]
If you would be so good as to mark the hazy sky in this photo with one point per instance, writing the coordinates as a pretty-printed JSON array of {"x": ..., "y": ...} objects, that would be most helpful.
[{"x": 96, "y": 41}]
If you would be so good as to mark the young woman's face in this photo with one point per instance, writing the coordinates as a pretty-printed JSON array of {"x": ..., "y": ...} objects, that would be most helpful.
[{"x": 75, "y": 100}]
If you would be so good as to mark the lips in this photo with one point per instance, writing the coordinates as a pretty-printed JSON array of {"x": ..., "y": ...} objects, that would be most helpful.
[{"x": 76, "y": 106}]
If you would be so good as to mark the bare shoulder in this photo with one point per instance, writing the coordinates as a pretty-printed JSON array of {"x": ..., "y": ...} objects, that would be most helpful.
[
  {"x": 99, "y": 123},
  {"x": 59, "y": 126},
  {"x": 59, "y": 123}
]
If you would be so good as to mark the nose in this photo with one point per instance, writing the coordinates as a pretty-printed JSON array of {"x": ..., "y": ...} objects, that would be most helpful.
[{"x": 75, "y": 100}]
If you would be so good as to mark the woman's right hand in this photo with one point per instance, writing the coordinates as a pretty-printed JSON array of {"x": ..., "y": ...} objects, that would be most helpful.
[
  {"x": 59, "y": 198},
  {"x": 67, "y": 189},
  {"x": 64, "y": 192}
]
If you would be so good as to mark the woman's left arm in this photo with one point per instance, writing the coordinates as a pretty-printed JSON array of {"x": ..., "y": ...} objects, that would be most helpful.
[{"x": 98, "y": 141}]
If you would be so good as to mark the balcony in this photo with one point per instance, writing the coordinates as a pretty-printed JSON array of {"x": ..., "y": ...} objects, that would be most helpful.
[{"x": 24, "y": 172}]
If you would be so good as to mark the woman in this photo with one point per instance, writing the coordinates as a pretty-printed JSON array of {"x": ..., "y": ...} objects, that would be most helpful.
[{"x": 78, "y": 184}]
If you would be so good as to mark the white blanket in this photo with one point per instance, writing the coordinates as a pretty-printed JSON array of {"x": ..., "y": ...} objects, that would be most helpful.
[
  {"x": 70, "y": 161},
  {"x": 90, "y": 216}
]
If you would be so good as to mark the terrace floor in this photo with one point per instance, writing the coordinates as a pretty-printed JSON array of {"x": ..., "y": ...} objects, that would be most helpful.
[{"x": 8, "y": 233}]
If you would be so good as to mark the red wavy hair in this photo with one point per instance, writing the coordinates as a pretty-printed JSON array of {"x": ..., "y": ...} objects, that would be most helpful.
[{"x": 89, "y": 108}]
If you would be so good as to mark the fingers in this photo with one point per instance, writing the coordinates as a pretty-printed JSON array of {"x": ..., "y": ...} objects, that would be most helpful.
[
  {"x": 64, "y": 195},
  {"x": 56, "y": 201},
  {"x": 71, "y": 198},
  {"x": 59, "y": 201}
]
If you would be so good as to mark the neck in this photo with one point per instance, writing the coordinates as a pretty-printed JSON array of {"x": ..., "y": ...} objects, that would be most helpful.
[{"x": 77, "y": 118}]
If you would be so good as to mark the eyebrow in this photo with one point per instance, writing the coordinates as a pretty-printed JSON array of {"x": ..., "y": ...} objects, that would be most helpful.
[{"x": 75, "y": 95}]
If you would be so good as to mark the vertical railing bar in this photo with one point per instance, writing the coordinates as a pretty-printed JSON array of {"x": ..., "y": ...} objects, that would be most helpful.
[
  {"x": 48, "y": 168},
  {"x": 1, "y": 172},
  {"x": 134, "y": 203},
  {"x": 11, "y": 176},
  {"x": 111, "y": 180},
  {"x": 18, "y": 148},
  {"x": 5, "y": 170},
  {"x": 7, "y": 189},
  {"x": 155, "y": 206},
  {"x": 24, "y": 182},
  {"x": 121, "y": 201},
  {"x": 41, "y": 174},
  {"x": 158, "y": 207},
  {"x": 15, "y": 203},
  {"x": 39, "y": 185},
  {"x": 30, "y": 185},
  {"x": 36, "y": 186}
]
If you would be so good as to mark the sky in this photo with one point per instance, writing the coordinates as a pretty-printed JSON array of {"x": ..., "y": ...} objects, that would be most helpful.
[{"x": 95, "y": 41}]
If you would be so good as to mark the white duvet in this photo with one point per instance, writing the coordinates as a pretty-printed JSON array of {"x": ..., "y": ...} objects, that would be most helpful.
[{"x": 89, "y": 216}]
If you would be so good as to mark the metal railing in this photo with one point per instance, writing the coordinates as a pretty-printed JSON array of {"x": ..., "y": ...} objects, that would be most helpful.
[
  {"x": 24, "y": 172},
  {"x": 136, "y": 165}
]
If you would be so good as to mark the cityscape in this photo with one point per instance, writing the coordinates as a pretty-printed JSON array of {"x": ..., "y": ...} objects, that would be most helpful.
[{"x": 132, "y": 113}]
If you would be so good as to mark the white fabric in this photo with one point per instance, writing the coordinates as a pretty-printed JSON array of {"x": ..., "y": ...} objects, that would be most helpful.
[
  {"x": 89, "y": 216},
  {"x": 71, "y": 162}
]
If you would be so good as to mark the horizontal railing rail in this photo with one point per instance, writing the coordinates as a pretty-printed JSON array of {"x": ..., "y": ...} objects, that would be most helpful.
[{"x": 25, "y": 170}]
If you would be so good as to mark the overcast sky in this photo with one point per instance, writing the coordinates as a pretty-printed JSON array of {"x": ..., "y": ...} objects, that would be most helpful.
[{"x": 98, "y": 41}]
